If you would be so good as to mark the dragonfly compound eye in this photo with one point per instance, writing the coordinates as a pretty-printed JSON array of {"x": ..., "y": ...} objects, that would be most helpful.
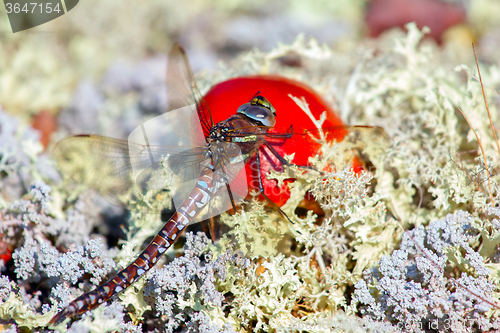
[{"x": 259, "y": 109}]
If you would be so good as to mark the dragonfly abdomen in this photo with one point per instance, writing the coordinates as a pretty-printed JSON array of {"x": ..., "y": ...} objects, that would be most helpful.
[{"x": 190, "y": 208}]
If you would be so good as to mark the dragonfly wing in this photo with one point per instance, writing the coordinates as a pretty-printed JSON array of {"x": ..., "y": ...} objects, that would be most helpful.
[
  {"x": 229, "y": 185},
  {"x": 231, "y": 179},
  {"x": 182, "y": 90},
  {"x": 358, "y": 145},
  {"x": 371, "y": 140},
  {"x": 180, "y": 130},
  {"x": 115, "y": 168},
  {"x": 366, "y": 138}
]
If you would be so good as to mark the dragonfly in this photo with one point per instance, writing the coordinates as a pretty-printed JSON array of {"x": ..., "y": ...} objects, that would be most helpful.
[{"x": 185, "y": 158}]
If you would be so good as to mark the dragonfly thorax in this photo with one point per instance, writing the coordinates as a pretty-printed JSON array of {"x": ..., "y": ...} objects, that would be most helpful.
[
  {"x": 238, "y": 132},
  {"x": 219, "y": 132}
]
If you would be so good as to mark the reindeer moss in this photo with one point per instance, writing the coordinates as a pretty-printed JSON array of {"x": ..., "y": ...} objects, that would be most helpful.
[{"x": 406, "y": 245}]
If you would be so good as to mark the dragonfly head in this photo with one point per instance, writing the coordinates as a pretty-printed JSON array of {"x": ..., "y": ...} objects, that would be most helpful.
[{"x": 260, "y": 110}]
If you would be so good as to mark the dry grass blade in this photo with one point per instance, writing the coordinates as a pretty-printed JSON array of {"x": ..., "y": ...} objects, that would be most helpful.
[
  {"x": 484, "y": 156},
  {"x": 485, "y": 103}
]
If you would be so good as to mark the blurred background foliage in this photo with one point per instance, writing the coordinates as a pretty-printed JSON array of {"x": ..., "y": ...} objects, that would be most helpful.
[{"x": 41, "y": 67}]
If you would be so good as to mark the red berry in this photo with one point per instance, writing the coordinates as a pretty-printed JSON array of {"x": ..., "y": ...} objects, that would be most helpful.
[{"x": 224, "y": 99}]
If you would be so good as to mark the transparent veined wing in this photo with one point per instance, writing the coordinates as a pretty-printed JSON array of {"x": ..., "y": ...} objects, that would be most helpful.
[
  {"x": 182, "y": 90},
  {"x": 107, "y": 165},
  {"x": 371, "y": 140}
]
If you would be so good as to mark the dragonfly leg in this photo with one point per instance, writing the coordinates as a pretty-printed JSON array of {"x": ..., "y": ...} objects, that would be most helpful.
[
  {"x": 261, "y": 189},
  {"x": 214, "y": 223},
  {"x": 285, "y": 162},
  {"x": 287, "y": 135},
  {"x": 231, "y": 196},
  {"x": 213, "y": 228}
]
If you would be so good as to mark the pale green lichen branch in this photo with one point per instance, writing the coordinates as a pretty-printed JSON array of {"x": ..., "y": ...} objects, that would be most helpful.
[{"x": 318, "y": 123}]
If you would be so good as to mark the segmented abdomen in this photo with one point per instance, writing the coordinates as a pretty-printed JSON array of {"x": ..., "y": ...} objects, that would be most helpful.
[{"x": 190, "y": 208}]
